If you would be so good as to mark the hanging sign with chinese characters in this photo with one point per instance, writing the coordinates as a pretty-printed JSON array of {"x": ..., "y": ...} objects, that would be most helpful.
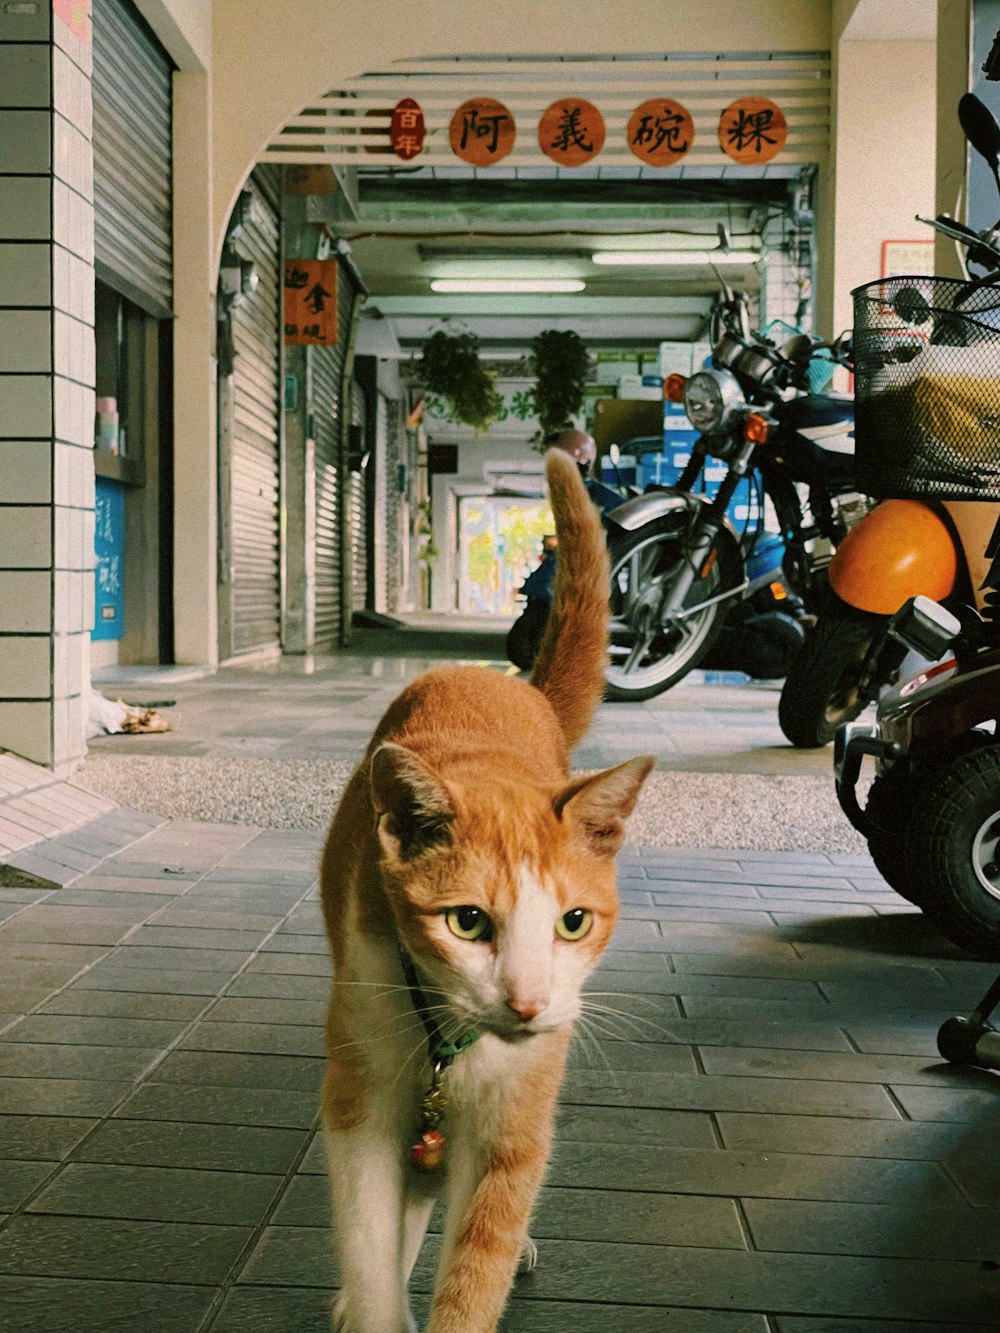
[
  {"x": 752, "y": 130},
  {"x": 311, "y": 302},
  {"x": 660, "y": 132},
  {"x": 407, "y": 129},
  {"x": 571, "y": 132},
  {"x": 482, "y": 132}
]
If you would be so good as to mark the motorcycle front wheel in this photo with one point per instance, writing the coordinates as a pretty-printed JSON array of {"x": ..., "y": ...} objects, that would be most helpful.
[
  {"x": 644, "y": 664},
  {"x": 824, "y": 685}
]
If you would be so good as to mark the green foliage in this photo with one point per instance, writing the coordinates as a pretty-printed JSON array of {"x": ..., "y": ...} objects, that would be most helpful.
[
  {"x": 561, "y": 363},
  {"x": 450, "y": 367}
]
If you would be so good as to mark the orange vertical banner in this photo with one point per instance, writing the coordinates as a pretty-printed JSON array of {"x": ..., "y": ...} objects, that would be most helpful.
[{"x": 310, "y": 302}]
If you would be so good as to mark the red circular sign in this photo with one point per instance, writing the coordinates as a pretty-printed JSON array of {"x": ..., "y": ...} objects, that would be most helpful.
[
  {"x": 482, "y": 132},
  {"x": 752, "y": 130},
  {"x": 660, "y": 132},
  {"x": 571, "y": 132},
  {"x": 407, "y": 129}
]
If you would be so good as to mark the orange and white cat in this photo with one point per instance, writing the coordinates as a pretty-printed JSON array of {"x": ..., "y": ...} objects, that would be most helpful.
[{"x": 468, "y": 890}]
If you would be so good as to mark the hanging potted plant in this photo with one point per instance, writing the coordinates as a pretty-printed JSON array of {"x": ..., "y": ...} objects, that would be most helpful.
[
  {"x": 561, "y": 364},
  {"x": 450, "y": 367}
]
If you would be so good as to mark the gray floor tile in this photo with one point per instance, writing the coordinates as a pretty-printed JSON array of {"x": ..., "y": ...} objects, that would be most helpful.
[
  {"x": 907, "y": 1139},
  {"x": 42, "y": 1137},
  {"x": 702, "y": 1093},
  {"x": 136, "y": 1251},
  {"x": 124, "y": 1004},
  {"x": 265, "y": 1038},
  {"x": 305, "y": 1013},
  {"x": 924, "y": 1231},
  {"x": 250, "y": 1309},
  {"x": 159, "y": 1194},
  {"x": 267, "y": 985},
  {"x": 32, "y": 1061},
  {"x": 246, "y": 1148},
  {"x": 113, "y": 976},
  {"x": 59, "y": 1305},
  {"x": 20, "y": 1178},
  {"x": 59, "y": 1096},
  {"x": 221, "y": 1105},
  {"x": 236, "y": 1070},
  {"x": 96, "y": 1031}
]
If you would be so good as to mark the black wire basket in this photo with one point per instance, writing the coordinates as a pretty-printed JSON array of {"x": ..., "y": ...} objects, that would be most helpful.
[{"x": 927, "y": 388}]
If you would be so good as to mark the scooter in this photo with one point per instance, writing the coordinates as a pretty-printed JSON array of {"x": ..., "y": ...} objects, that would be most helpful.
[
  {"x": 932, "y": 814},
  {"x": 924, "y": 542}
]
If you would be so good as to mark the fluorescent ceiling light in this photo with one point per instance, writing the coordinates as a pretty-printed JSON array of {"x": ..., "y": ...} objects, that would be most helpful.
[
  {"x": 670, "y": 258},
  {"x": 507, "y": 285}
]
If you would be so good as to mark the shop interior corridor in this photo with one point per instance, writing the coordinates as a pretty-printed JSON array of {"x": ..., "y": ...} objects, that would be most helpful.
[{"x": 761, "y": 1138}]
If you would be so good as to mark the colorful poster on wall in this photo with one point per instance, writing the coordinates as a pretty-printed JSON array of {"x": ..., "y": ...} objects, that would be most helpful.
[
  {"x": 407, "y": 129},
  {"x": 660, "y": 132},
  {"x": 482, "y": 132},
  {"x": 310, "y": 302},
  {"x": 571, "y": 132},
  {"x": 752, "y": 130},
  {"x": 109, "y": 558},
  {"x": 74, "y": 13}
]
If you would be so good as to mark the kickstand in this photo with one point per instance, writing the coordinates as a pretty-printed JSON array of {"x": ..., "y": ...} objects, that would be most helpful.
[{"x": 973, "y": 1040}]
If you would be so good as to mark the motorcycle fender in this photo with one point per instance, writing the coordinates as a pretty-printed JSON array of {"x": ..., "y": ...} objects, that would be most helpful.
[
  {"x": 902, "y": 548},
  {"x": 643, "y": 509},
  {"x": 654, "y": 505}
]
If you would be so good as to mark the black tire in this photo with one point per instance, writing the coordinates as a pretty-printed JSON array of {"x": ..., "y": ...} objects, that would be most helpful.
[
  {"x": 525, "y": 635},
  {"x": 821, "y": 689},
  {"x": 952, "y": 849},
  {"x": 890, "y": 803},
  {"x": 640, "y": 563}
]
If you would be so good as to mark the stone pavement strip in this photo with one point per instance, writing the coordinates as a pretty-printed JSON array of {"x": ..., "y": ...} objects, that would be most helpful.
[{"x": 756, "y": 1135}]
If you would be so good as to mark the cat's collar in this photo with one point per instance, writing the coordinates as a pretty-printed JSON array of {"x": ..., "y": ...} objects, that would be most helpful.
[{"x": 441, "y": 1053}]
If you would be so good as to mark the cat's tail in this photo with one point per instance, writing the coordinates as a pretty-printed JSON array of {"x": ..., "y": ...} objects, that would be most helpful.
[{"x": 569, "y": 669}]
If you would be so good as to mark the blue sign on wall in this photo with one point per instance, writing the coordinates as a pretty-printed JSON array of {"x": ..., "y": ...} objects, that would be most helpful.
[{"x": 109, "y": 549}]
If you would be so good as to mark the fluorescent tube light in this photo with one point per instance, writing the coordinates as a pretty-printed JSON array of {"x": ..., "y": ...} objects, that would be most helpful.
[
  {"x": 670, "y": 258},
  {"x": 507, "y": 285}
]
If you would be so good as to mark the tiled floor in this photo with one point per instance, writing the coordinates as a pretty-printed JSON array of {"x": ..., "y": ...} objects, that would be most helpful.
[{"x": 761, "y": 1139}]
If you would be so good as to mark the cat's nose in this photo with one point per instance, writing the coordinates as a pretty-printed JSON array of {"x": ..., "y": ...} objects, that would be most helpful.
[{"x": 526, "y": 1007}]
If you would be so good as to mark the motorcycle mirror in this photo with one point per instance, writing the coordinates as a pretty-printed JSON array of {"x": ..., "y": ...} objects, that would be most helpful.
[
  {"x": 615, "y": 454},
  {"x": 911, "y": 306},
  {"x": 980, "y": 127}
]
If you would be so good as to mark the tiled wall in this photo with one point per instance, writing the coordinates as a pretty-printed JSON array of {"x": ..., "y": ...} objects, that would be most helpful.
[{"x": 46, "y": 385}]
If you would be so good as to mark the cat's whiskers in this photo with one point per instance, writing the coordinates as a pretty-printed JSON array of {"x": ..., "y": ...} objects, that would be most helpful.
[
  {"x": 637, "y": 1021},
  {"x": 584, "y": 1027}
]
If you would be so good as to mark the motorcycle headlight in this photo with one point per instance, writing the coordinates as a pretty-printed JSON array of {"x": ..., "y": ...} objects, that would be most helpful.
[{"x": 711, "y": 399}]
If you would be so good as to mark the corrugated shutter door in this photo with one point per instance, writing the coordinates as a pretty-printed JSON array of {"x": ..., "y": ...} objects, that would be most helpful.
[
  {"x": 256, "y": 560},
  {"x": 132, "y": 158},
  {"x": 382, "y": 517},
  {"x": 327, "y": 366},
  {"x": 359, "y": 508},
  {"x": 328, "y": 389}
]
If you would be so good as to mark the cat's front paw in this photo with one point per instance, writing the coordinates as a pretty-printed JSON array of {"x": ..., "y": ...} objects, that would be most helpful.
[
  {"x": 529, "y": 1256},
  {"x": 345, "y": 1319}
]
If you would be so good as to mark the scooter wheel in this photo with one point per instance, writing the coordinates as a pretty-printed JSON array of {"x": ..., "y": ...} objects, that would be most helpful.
[
  {"x": 887, "y": 815},
  {"x": 823, "y": 685},
  {"x": 953, "y": 849}
]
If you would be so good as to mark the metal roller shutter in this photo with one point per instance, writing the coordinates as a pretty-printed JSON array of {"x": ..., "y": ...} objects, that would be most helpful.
[
  {"x": 327, "y": 373},
  {"x": 132, "y": 158},
  {"x": 359, "y": 506},
  {"x": 256, "y": 552}
]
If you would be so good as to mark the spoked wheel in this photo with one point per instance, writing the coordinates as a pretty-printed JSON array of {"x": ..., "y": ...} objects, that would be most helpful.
[
  {"x": 646, "y": 656},
  {"x": 826, "y": 683}
]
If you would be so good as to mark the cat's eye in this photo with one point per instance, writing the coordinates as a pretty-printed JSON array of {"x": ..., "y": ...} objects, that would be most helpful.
[
  {"x": 469, "y": 923},
  {"x": 575, "y": 924}
]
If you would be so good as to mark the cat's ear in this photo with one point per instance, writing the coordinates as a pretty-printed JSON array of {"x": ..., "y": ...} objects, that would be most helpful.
[
  {"x": 597, "y": 807},
  {"x": 413, "y": 805}
]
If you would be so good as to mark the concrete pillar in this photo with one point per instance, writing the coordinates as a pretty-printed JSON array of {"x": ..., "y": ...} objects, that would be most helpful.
[
  {"x": 46, "y": 384},
  {"x": 882, "y": 168}
]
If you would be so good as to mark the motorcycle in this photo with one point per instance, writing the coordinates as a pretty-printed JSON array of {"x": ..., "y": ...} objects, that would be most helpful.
[
  {"x": 924, "y": 543},
  {"x": 678, "y": 565},
  {"x": 932, "y": 814},
  {"x": 758, "y": 638}
]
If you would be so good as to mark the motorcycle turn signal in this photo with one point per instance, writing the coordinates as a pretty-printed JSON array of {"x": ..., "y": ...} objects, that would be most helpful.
[{"x": 756, "y": 428}]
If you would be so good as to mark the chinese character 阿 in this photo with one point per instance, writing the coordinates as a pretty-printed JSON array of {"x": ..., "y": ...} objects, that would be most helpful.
[
  {"x": 571, "y": 133},
  {"x": 474, "y": 126},
  {"x": 655, "y": 131},
  {"x": 296, "y": 278},
  {"x": 750, "y": 131},
  {"x": 317, "y": 298}
]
